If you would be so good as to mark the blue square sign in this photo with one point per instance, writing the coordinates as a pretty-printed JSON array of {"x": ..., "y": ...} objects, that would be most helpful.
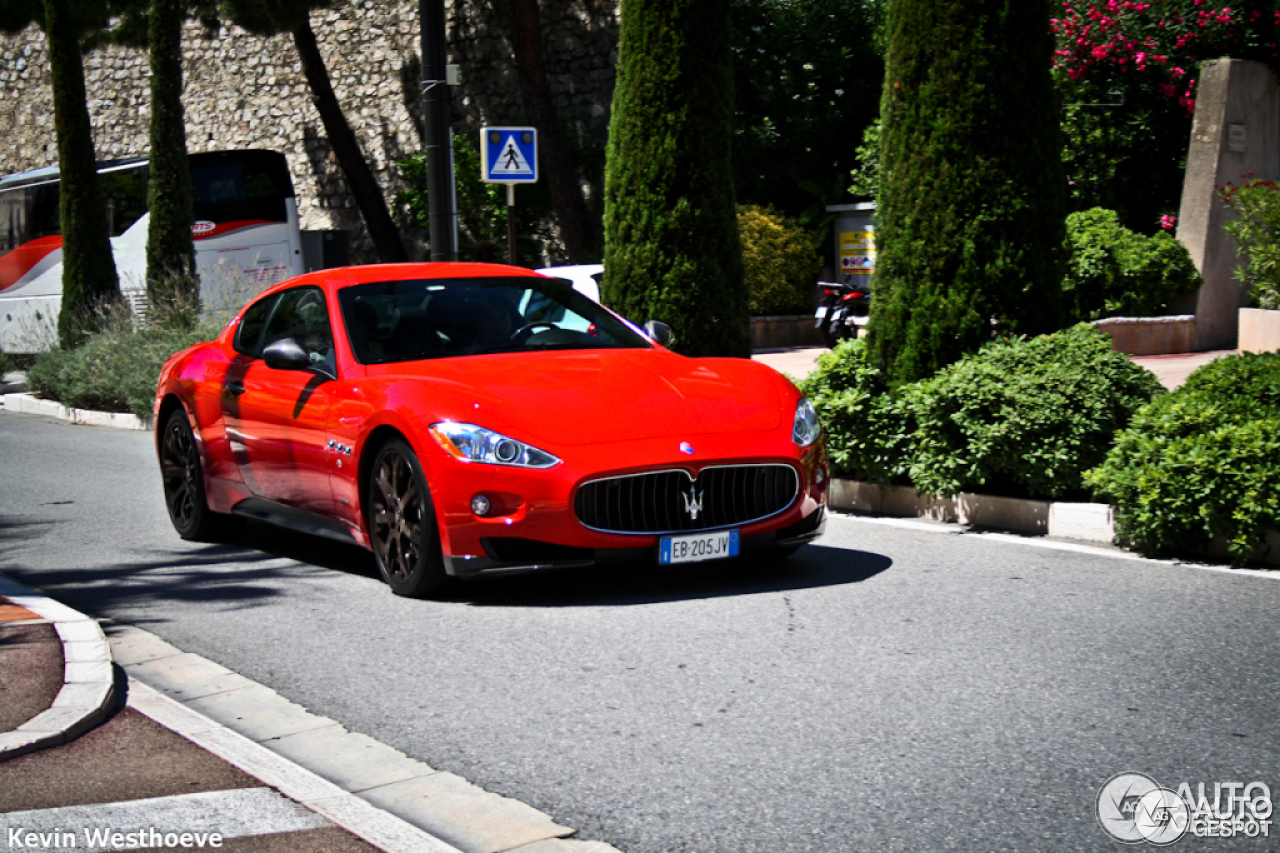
[{"x": 510, "y": 155}]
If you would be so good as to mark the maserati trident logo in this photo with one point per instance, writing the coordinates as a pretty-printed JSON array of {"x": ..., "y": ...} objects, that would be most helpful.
[{"x": 692, "y": 502}]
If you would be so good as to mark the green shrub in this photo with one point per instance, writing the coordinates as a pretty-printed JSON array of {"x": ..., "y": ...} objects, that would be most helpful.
[
  {"x": 867, "y": 428},
  {"x": 114, "y": 370},
  {"x": 1115, "y": 272},
  {"x": 1020, "y": 417},
  {"x": 778, "y": 260},
  {"x": 1025, "y": 416},
  {"x": 1257, "y": 232},
  {"x": 1201, "y": 463}
]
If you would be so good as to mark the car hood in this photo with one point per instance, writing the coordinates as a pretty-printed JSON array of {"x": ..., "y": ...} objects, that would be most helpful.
[{"x": 586, "y": 397}]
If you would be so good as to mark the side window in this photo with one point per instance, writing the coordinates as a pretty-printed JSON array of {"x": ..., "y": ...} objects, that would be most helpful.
[
  {"x": 301, "y": 314},
  {"x": 249, "y": 337}
]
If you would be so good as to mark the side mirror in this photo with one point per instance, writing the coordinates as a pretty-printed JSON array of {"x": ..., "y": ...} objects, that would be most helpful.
[
  {"x": 660, "y": 333},
  {"x": 286, "y": 354}
]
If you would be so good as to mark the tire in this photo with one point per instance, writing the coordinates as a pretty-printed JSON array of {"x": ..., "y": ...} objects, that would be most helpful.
[
  {"x": 828, "y": 336},
  {"x": 402, "y": 524},
  {"x": 183, "y": 477}
]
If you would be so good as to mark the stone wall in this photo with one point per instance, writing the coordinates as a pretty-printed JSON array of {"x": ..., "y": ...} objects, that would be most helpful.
[{"x": 243, "y": 91}]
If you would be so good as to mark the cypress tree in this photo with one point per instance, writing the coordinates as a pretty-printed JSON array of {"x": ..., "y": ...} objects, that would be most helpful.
[
  {"x": 672, "y": 251},
  {"x": 171, "y": 258},
  {"x": 89, "y": 280},
  {"x": 972, "y": 195}
]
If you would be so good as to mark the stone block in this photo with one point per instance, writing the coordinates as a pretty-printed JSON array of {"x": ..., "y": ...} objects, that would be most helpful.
[{"x": 1259, "y": 330}]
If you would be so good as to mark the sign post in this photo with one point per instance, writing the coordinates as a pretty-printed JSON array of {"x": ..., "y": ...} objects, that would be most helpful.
[{"x": 509, "y": 155}]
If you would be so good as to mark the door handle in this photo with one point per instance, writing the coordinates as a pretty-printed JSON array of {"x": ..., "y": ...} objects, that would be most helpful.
[{"x": 235, "y": 389}]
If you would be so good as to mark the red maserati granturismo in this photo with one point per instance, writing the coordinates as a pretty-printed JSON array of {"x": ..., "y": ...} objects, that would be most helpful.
[{"x": 472, "y": 419}]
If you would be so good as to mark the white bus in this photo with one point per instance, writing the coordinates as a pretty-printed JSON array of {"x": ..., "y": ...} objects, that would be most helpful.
[{"x": 245, "y": 230}]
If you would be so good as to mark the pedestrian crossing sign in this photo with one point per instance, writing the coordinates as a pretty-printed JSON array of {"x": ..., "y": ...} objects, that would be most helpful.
[{"x": 510, "y": 155}]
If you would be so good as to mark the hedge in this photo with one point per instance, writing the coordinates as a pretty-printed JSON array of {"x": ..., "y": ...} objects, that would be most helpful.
[
  {"x": 1022, "y": 417},
  {"x": 1201, "y": 463}
]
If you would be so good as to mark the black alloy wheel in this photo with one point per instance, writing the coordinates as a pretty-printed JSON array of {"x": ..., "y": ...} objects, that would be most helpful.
[
  {"x": 402, "y": 524},
  {"x": 183, "y": 478}
]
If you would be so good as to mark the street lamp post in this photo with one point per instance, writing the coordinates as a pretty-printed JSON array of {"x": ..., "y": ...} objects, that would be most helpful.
[{"x": 435, "y": 99}]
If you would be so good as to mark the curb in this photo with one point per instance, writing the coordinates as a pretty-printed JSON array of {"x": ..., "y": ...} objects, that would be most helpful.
[
  {"x": 1088, "y": 522},
  {"x": 1081, "y": 522},
  {"x": 30, "y": 404},
  {"x": 88, "y": 679},
  {"x": 371, "y": 789}
]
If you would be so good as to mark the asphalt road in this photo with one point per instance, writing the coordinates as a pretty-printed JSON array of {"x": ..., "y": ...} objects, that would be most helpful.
[{"x": 886, "y": 689}]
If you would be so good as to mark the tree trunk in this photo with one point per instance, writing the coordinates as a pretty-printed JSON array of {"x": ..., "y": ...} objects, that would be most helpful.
[
  {"x": 172, "y": 285},
  {"x": 368, "y": 195},
  {"x": 553, "y": 151},
  {"x": 89, "y": 279}
]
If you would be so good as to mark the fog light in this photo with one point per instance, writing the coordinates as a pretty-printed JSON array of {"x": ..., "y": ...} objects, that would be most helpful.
[
  {"x": 480, "y": 505},
  {"x": 821, "y": 475}
]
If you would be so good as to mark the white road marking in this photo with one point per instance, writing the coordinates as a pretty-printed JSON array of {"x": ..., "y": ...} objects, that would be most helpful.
[{"x": 1047, "y": 544}]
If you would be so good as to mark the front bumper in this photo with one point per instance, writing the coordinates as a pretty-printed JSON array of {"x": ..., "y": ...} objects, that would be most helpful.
[{"x": 505, "y": 555}]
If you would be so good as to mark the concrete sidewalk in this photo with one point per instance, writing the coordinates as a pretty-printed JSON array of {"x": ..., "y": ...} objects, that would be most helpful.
[{"x": 120, "y": 730}]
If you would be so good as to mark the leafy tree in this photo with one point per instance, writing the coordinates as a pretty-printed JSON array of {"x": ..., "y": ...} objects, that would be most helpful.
[
  {"x": 1126, "y": 72},
  {"x": 866, "y": 175},
  {"x": 672, "y": 250},
  {"x": 294, "y": 17},
  {"x": 1257, "y": 233},
  {"x": 971, "y": 207},
  {"x": 482, "y": 208},
  {"x": 89, "y": 280},
  {"x": 807, "y": 74}
]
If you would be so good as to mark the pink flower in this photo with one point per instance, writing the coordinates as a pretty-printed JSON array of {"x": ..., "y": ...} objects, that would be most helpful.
[{"x": 1168, "y": 222}]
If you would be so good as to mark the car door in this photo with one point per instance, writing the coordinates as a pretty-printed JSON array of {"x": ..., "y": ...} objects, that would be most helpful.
[{"x": 276, "y": 418}]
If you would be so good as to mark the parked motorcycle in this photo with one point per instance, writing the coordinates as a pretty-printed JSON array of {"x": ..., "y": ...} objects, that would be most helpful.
[{"x": 845, "y": 308}]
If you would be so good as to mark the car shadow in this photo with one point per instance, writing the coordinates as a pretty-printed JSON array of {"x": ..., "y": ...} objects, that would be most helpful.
[
  {"x": 304, "y": 548},
  {"x": 635, "y": 583},
  {"x": 239, "y": 572},
  {"x": 242, "y": 572}
]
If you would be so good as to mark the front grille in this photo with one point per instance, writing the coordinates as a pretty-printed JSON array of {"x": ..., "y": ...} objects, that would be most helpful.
[{"x": 673, "y": 502}]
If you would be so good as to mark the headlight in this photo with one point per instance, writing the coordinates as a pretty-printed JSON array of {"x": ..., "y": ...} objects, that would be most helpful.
[
  {"x": 806, "y": 428},
  {"x": 471, "y": 443}
]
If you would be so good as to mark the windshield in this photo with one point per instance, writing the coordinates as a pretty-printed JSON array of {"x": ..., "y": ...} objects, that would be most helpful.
[{"x": 431, "y": 318}]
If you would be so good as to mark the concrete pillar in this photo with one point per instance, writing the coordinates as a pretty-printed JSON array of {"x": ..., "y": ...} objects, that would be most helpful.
[{"x": 1236, "y": 131}]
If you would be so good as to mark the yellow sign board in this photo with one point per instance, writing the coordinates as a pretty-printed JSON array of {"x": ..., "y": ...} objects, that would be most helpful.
[{"x": 858, "y": 252}]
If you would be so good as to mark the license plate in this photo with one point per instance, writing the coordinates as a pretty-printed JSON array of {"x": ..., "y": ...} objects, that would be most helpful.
[
  {"x": 697, "y": 547},
  {"x": 821, "y": 314}
]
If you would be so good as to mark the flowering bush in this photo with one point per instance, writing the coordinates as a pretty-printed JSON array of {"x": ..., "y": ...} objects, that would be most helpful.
[
  {"x": 1162, "y": 41},
  {"x": 1126, "y": 72},
  {"x": 1257, "y": 232}
]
